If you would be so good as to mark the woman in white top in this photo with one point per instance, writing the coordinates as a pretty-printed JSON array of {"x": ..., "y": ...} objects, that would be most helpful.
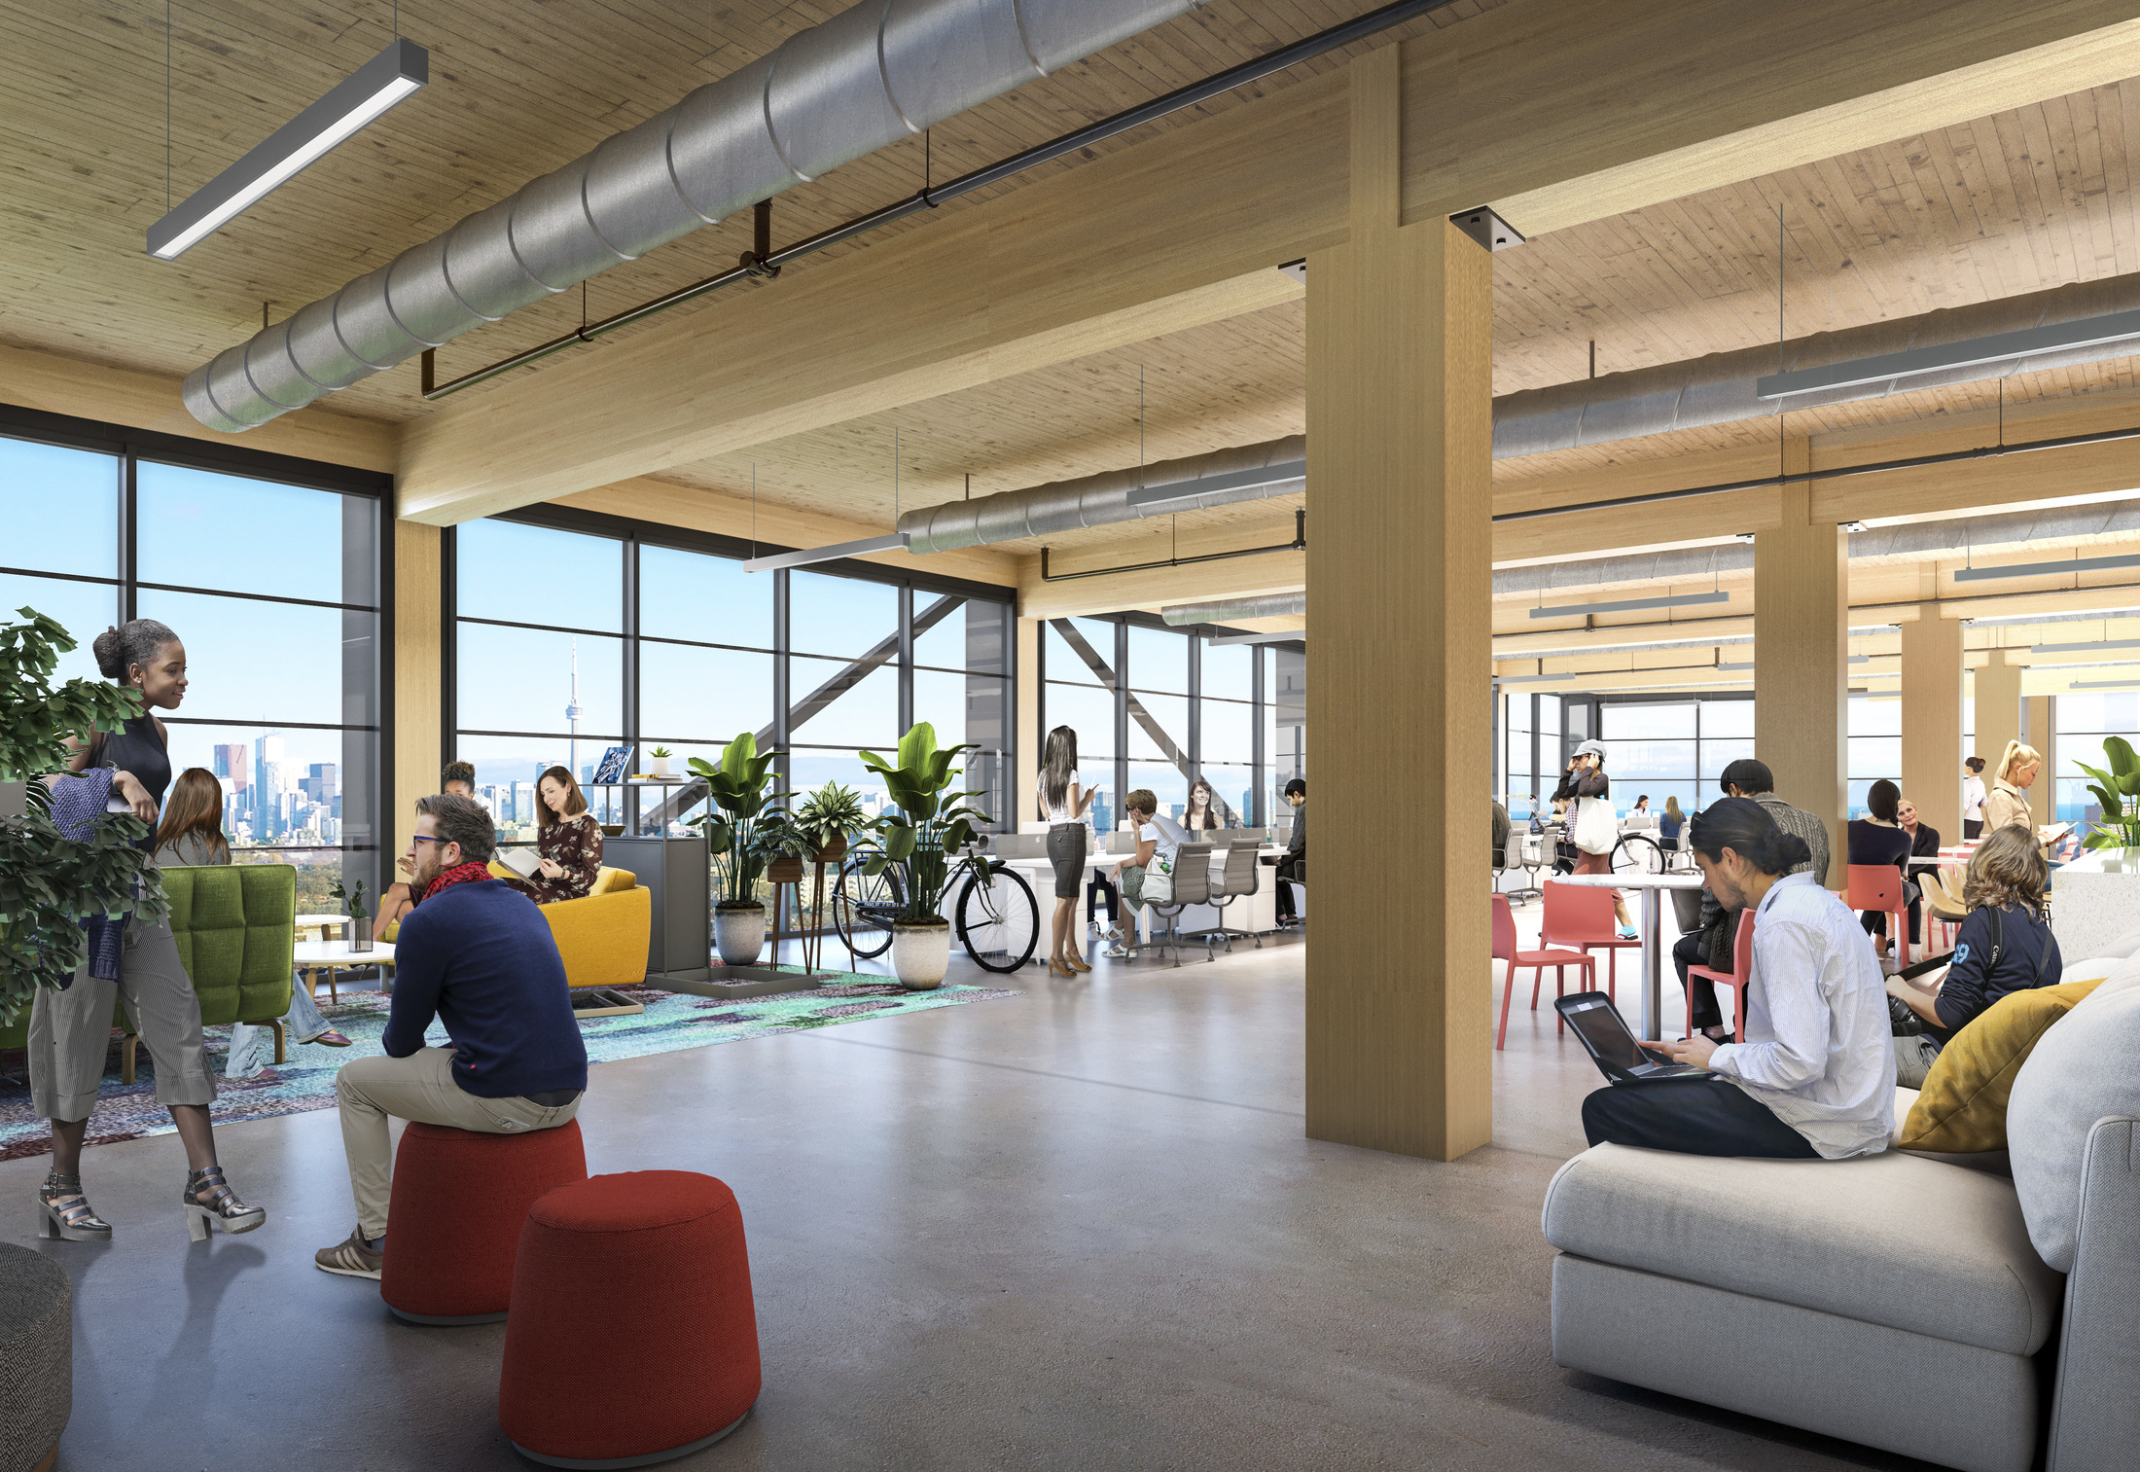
[
  {"x": 1973, "y": 797},
  {"x": 1064, "y": 798}
]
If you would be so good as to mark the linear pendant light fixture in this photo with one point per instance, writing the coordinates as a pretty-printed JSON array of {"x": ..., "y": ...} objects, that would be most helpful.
[
  {"x": 1683, "y": 600},
  {"x": 403, "y": 67},
  {"x": 2084, "y": 648},
  {"x": 1280, "y": 636},
  {"x": 2045, "y": 569},
  {"x": 893, "y": 542}
]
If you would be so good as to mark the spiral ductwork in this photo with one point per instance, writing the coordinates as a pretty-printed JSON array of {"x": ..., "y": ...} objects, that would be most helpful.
[
  {"x": 1227, "y": 610},
  {"x": 826, "y": 96},
  {"x": 1103, "y": 499},
  {"x": 1720, "y": 388}
]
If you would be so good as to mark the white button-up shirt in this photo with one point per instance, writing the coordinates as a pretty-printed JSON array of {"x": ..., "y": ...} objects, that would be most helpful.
[{"x": 1818, "y": 1049}]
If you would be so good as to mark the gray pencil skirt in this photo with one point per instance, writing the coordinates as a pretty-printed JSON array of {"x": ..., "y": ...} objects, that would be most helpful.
[
  {"x": 1066, "y": 851},
  {"x": 70, "y": 1031}
]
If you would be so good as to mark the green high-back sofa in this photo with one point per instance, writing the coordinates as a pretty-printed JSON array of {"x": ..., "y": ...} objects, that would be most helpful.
[{"x": 236, "y": 927}]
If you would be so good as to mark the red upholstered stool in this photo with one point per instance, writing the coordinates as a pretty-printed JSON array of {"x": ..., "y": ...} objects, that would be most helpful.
[
  {"x": 453, "y": 1223},
  {"x": 644, "y": 1270}
]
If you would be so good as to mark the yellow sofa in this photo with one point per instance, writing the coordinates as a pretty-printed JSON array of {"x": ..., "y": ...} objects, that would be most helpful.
[{"x": 603, "y": 937}]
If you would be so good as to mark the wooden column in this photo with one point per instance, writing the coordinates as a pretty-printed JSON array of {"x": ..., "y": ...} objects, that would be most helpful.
[
  {"x": 1998, "y": 711},
  {"x": 1802, "y": 654},
  {"x": 1400, "y": 342},
  {"x": 417, "y": 671},
  {"x": 2040, "y": 732},
  {"x": 1023, "y": 804},
  {"x": 1932, "y": 719}
]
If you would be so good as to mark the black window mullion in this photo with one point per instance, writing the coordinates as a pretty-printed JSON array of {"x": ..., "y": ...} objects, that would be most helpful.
[
  {"x": 782, "y": 677},
  {"x": 128, "y": 537},
  {"x": 1122, "y": 674},
  {"x": 905, "y": 704},
  {"x": 1259, "y": 741},
  {"x": 1195, "y": 734},
  {"x": 449, "y": 582}
]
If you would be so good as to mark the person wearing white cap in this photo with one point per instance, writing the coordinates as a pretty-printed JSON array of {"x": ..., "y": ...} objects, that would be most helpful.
[{"x": 1595, "y": 828}]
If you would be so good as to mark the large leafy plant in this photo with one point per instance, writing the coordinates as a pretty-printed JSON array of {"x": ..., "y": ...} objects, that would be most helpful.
[
  {"x": 2118, "y": 790},
  {"x": 50, "y": 883},
  {"x": 918, "y": 841},
  {"x": 748, "y": 827}
]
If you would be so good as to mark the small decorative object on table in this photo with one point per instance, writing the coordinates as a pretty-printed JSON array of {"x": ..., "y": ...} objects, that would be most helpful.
[
  {"x": 661, "y": 755},
  {"x": 357, "y": 929},
  {"x": 918, "y": 842}
]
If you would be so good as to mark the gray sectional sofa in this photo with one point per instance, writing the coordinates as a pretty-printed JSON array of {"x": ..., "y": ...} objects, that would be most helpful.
[{"x": 1927, "y": 1305}]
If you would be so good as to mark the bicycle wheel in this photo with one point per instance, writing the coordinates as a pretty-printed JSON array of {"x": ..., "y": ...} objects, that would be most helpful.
[
  {"x": 998, "y": 919},
  {"x": 863, "y": 908},
  {"x": 1638, "y": 852}
]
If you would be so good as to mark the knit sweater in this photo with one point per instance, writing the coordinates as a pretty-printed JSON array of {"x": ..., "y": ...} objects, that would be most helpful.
[{"x": 481, "y": 959}]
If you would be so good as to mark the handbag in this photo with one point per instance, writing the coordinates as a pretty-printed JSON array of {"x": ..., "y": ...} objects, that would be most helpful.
[
  {"x": 1596, "y": 831},
  {"x": 1159, "y": 880}
]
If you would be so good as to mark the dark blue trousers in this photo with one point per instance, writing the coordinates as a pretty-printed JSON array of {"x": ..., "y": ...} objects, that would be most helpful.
[{"x": 1693, "y": 1116}]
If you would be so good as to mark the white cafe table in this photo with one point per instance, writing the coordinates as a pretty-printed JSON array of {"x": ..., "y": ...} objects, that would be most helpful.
[
  {"x": 332, "y": 956},
  {"x": 1653, "y": 887}
]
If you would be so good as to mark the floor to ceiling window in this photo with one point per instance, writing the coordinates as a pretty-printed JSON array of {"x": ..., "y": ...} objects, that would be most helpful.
[
  {"x": 1154, "y": 707},
  {"x": 575, "y": 632},
  {"x": 269, "y": 570}
]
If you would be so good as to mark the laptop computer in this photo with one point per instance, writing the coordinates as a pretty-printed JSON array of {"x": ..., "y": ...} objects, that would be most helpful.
[{"x": 1619, "y": 1055}]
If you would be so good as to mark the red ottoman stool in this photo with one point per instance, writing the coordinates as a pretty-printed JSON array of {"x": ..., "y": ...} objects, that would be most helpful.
[
  {"x": 453, "y": 1223},
  {"x": 645, "y": 1269}
]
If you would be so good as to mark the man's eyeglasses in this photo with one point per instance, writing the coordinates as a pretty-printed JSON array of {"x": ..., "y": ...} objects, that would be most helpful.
[{"x": 425, "y": 838}]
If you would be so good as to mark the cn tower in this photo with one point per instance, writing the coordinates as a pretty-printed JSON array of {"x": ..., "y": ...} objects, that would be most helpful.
[{"x": 573, "y": 711}]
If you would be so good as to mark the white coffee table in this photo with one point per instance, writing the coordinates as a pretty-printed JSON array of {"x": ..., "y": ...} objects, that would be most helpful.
[
  {"x": 1653, "y": 887},
  {"x": 328, "y": 926},
  {"x": 332, "y": 956}
]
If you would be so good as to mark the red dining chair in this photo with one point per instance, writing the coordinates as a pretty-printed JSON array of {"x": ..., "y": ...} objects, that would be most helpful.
[
  {"x": 1581, "y": 916},
  {"x": 1739, "y": 978},
  {"x": 1877, "y": 889},
  {"x": 1505, "y": 950}
]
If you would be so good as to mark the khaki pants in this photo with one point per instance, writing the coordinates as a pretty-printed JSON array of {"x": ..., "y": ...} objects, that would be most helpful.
[
  {"x": 419, "y": 1087},
  {"x": 70, "y": 1031}
]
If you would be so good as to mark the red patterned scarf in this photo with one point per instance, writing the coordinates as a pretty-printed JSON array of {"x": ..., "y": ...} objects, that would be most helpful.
[{"x": 466, "y": 873}]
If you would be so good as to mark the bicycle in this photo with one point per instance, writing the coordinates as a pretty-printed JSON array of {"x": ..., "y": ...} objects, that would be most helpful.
[
  {"x": 1638, "y": 851},
  {"x": 996, "y": 917}
]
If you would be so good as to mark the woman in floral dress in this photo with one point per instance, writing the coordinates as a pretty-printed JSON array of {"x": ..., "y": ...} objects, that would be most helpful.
[{"x": 569, "y": 840}]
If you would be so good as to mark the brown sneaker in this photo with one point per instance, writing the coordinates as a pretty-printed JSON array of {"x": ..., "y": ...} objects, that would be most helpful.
[{"x": 352, "y": 1259}]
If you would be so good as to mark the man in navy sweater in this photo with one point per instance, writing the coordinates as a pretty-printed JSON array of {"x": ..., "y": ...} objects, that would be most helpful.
[{"x": 478, "y": 956}]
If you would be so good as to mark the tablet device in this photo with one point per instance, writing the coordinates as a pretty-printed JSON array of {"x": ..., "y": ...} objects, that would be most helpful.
[{"x": 1619, "y": 1055}]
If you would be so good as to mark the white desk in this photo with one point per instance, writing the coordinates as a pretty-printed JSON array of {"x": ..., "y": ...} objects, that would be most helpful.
[
  {"x": 1653, "y": 887},
  {"x": 1256, "y": 913}
]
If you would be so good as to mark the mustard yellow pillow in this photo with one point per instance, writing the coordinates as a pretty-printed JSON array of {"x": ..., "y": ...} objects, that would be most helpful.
[{"x": 1962, "y": 1107}]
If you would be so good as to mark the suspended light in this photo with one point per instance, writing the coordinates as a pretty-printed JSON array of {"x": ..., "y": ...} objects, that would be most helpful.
[
  {"x": 403, "y": 67},
  {"x": 1626, "y": 605}
]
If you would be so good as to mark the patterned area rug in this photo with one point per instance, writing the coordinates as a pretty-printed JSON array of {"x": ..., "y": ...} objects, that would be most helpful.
[{"x": 670, "y": 1023}]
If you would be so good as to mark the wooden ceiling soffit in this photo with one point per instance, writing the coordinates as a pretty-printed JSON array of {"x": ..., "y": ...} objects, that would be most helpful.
[{"x": 1545, "y": 96}]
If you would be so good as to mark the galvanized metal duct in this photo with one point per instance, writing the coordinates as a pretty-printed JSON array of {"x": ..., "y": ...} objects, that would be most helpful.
[
  {"x": 1719, "y": 389},
  {"x": 1226, "y": 610},
  {"x": 1106, "y": 498},
  {"x": 826, "y": 96}
]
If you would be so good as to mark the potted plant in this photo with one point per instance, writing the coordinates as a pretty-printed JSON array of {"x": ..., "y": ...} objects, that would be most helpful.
[
  {"x": 919, "y": 841},
  {"x": 357, "y": 929},
  {"x": 50, "y": 883},
  {"x": 738, "y": 789},
  {"x": 2118, "y": 790},
  {"x": 827, "y": 817},
  {"x": 661, "y": 755},
  {"x": 781, "y": 842}
]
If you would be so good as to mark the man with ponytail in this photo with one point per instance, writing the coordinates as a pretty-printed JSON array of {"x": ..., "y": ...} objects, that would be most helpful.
[{"x": 1815, "y": 1074}]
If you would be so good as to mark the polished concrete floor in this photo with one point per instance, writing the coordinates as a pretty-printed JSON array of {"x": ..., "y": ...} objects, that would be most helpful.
[{"x": 1079, "y": 1228}]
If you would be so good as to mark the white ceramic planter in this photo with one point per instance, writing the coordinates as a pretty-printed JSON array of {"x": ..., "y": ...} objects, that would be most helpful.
[
  {"x": 739, "y": 934},
  {"x": 661, "y": 766},
  {"x": 921, "y": 954}
]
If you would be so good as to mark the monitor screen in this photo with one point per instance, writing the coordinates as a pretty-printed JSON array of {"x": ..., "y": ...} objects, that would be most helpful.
[{"x": 1606, "y": 1033}]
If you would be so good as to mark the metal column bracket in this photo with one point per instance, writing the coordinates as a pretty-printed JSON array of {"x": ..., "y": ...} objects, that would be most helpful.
[{"x": 1487, "y": 228}]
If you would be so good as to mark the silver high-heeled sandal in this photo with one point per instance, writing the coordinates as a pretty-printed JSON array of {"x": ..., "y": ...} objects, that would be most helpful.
[
  {"x": 222, "y": 1206},
  {"x": 63, "y": 1213}
]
